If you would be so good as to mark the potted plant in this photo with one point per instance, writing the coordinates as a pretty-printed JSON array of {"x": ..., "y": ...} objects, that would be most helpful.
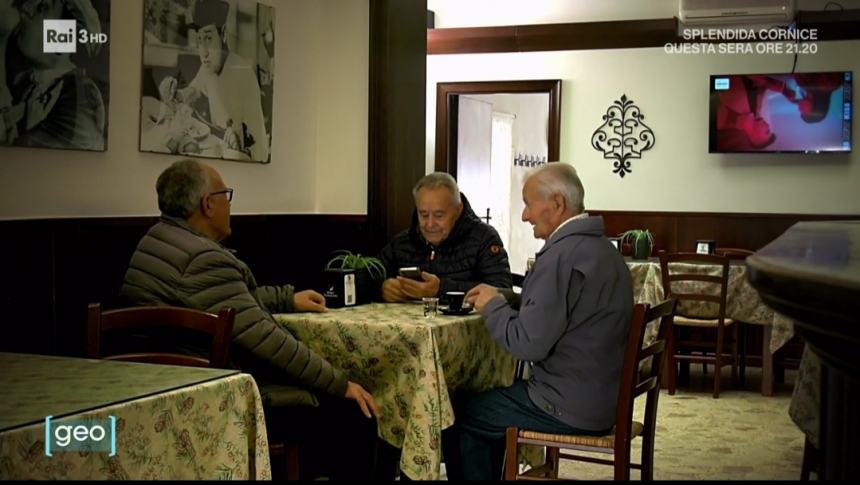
[
  {"x": 641, "y": 241},
  {"x": 351, "y": 279}
]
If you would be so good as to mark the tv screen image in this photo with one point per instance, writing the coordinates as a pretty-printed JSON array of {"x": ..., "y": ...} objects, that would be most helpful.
[{"x": 806, "y": 112}]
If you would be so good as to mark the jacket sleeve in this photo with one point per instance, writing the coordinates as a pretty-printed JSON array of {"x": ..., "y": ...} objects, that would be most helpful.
[
  {"x": 531, "y": 333},
  {"x": 213, "y": 280},
  {"x": 276, "y": 299},
  {"x": 389, "y": 260},
  {"x": 491, "y": 268}
]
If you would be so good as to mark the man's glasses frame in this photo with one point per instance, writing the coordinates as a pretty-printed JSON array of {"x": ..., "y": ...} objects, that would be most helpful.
[{"x": 228, "y": 192}]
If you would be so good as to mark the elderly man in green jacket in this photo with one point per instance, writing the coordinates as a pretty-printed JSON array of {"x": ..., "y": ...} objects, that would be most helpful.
[{"x": 181, "y": 262}]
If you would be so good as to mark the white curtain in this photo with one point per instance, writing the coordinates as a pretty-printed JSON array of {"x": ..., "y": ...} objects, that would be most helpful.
[{"x": 500, "y": 167}]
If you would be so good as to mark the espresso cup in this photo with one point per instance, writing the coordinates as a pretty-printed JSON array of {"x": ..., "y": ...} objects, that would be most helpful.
[{"x": 455, "y": 300}]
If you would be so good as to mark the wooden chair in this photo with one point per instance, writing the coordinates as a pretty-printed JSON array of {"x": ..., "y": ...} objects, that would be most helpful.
[
  {"x": 707, "y": 312},
  {"x": 739, "y": 254},
  {"x": 640, "y": 374},
  {"x": 219, "y": 327},
  {"x": 518, "y": 279}
]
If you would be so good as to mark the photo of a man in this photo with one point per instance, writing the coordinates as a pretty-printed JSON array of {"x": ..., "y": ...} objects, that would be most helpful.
[
  {"x": 54, "y": 99},
  {"x": 207, "y": 88}
]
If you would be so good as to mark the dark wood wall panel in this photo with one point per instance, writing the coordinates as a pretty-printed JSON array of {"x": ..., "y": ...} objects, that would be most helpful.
[
  {"x": 396, "y": 134},
  {"x": 56, "y": 267},
  {"x": 832, "y": 25},
  {"x": 678, "y": 231}
]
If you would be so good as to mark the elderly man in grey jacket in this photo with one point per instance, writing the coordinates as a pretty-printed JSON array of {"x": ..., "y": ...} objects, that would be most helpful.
[
  {"x": 571, "y": 323},
  {"x": 181, "y": 262}
]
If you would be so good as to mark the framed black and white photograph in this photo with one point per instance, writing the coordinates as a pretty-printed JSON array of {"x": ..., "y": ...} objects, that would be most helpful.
[
  {"x": 705, "y": 246},
  {"x": 616, "y": 241},
  {"x": 54, "y": 73},
  {"x": 208, "y": 71}
]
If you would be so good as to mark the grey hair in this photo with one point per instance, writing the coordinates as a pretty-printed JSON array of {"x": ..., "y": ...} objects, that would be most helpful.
[
  {"x": 180, "y": 188},
  {"x": 559, "y": 178},
  {"x": 435, "y": 180}
]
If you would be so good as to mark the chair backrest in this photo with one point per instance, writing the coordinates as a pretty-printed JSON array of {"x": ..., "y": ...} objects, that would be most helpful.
[
  {"x": 518, "y": 279},
  {"x": 734, "y": 253},
  {"x": 219, "y": 327},
  {"x": 636, "y": 378},
  {"x": 697, "y": 281}
]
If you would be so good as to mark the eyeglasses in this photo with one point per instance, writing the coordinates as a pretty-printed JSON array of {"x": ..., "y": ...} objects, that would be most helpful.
[{"x": 228, "y": 192}]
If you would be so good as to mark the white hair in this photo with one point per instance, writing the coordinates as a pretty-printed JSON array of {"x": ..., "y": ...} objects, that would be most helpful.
[{"x": 559, "y": 178}]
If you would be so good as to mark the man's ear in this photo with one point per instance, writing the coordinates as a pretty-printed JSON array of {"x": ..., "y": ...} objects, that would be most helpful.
[
  {"x": 223, "y": 32},
  {"x": 206, "y": 207},
  {"x": 559, "y": 201}
]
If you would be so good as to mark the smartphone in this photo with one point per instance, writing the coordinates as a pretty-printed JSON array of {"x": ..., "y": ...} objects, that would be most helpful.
[{"x": 413, "y": 272}]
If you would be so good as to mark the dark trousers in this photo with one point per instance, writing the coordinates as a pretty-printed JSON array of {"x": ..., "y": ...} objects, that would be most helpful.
[
  {"x": 474, "y": 448},
  {"x": 335, "y": 439}
]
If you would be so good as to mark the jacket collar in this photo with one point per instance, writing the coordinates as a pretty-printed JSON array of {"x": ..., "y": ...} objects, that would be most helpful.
[
  {"x": 586, "y": 226},
  {"x": 467, "y": 219},
  {"x": 175, "y": 221}
]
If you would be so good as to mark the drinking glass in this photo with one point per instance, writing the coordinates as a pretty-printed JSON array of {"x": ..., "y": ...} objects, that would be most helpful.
[{"x": 431, "y": 304}]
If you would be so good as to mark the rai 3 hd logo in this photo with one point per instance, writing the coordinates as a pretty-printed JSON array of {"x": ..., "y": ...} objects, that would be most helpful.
[{"x": 60, "y": 36}]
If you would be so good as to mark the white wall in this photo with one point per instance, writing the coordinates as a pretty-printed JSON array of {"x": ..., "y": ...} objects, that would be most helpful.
[
  {"x": 672, "y": 90},
  {"x": 319, "y": 147}
]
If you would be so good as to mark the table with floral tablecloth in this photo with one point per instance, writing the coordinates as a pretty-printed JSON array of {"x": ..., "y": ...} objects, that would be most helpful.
[
  {"x": 742, "y": 300},
  {"x": 408, "y": 363},
  {"x": 171, "y": 422}
]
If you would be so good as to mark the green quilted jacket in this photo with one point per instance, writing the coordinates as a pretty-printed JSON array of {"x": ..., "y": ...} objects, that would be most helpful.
[{"x": 176, "y": 265}]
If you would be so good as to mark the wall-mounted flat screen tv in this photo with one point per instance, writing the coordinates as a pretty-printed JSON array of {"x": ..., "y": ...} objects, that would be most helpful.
[{"x": 808, "y": 112}]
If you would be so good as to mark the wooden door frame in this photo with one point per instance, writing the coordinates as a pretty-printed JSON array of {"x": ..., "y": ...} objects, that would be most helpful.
[{"x": 447, "y": 104}]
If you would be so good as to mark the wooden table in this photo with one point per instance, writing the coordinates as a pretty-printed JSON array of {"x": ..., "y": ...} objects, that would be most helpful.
[
  {"x": 171, "y": 422},
  {"x": 812, "y": 274}
]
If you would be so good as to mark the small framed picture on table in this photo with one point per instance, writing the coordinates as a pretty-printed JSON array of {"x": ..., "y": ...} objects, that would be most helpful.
[
  {"x": 705, "y": 246},
  {"x": 616, "y": 241}
]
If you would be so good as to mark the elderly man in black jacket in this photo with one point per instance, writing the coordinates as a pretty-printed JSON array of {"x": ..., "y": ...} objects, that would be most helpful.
[{"x": 453, "y": 248}]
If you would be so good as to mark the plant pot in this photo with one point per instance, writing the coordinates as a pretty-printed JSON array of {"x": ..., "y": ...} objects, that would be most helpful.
[
  {"x": 347, "y": 287},
  {"x": 641, "y": 249}
]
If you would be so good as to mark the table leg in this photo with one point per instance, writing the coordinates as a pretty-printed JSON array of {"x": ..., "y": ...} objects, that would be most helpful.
[{"x": 766, "y": 362}]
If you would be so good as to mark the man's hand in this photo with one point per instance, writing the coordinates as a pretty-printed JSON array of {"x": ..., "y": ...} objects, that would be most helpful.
[
  {"x": 392, "y": 291},
  {"x": 167, "y": 89},
  {"x": 419, "y": 289},
  {"x": 363, "y": 398},
  {"x": 480, "y": 295},
  {"x": 308, "y": 301}
]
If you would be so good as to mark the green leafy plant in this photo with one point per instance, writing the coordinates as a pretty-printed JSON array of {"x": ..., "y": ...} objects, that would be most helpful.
[
  {"x": 633, "y": 236},
  {"x": 641, "y": 242},
  {"x": 347, "y": 260}
]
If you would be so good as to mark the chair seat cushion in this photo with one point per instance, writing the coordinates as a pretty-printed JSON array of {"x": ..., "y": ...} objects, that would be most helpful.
[
  {"x": 281, "y": 395},
  {"x": 700, "y": 322},
  {"x": 607, "y": 441}
]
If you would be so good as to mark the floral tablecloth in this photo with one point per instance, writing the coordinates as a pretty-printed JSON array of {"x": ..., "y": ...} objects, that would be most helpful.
[
  {"x": 742, "y": 300},
  {"x": 171, "y": 422},
  {"x": 408, "y": 363}
]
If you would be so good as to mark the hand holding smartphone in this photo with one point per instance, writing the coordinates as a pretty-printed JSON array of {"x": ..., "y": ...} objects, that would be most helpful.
[{"x": 412, "y": 272}]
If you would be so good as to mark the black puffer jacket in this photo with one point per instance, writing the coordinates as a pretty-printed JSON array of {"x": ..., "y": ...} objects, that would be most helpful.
[{"x": 472, "y": 254}]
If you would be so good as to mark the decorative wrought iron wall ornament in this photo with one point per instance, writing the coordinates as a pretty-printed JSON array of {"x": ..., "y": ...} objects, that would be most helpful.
[{"x": 623, "y": 136}]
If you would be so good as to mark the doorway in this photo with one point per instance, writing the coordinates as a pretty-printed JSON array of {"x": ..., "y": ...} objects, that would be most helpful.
[{"x": 488, "y": 135}]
